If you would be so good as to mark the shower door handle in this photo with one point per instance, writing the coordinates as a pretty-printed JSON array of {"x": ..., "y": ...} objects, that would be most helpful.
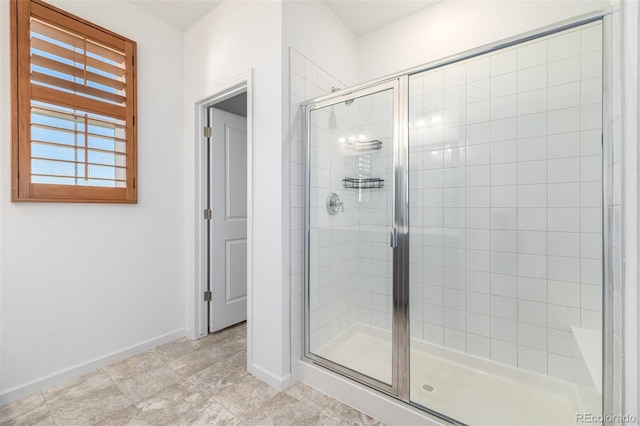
[{"x": 394, "y": 238}]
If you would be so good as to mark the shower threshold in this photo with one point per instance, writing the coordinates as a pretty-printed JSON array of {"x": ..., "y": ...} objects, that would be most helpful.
[{"x": 465, "y": 387}]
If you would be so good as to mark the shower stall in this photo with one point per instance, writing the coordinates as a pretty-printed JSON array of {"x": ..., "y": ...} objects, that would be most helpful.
[{"x": 454, "y": 231}]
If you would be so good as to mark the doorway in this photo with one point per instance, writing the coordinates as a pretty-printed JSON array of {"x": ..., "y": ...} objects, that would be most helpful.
[
  {"x": 226, "y": 212},
  {"x": 202, "y": 301}
]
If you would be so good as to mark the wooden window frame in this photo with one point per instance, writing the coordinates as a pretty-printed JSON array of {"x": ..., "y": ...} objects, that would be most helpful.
[{"x": 22, "y": 188}]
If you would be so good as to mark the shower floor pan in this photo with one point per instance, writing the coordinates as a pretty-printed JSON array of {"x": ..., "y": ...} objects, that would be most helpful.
[{"x": 471, "y": 389}]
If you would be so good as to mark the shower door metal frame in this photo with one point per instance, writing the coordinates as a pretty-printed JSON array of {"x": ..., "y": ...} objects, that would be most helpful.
[
  {"x": 400, "y": 388},
  {"x": 608, "y": 406},
  {"x": 399, "y": 224}
]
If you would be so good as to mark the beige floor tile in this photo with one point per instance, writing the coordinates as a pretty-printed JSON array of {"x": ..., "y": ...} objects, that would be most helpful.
[
  {"x": 218, "y": 376},
  {"x": 284, "y": 410},
  {"x": 176, "y": 349},
  {"x": 245, "y": 396},
  {"x": 309, "y": 395},
  {"x": 128, "y": 416},
  {"x": 330, "y": 421},
  {"x": 232, "y": 342},
  {"x": 348, "y": 415},
  {"x": 188, "y": 358},
  {"x": 196, "y": 361},
  {"x": 142, "y": 376},
  {"x": 234, "y": 332},
  {"x": 209, "y": 413},
  {"x": 335, "y": 411},
  {"x": 92, "y": 382},
  {"x": 172, "y": 403},
  {"x": 181, "y": 383},
  {"x": 181, "y": 347},
  {"x": 239, "y": 329},
  {"x": 86, "y": 401},
  {"x": 178, "y": 405},
  {"x": 31, "y": 410}
]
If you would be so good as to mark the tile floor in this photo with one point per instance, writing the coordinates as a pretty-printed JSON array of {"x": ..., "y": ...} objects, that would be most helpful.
[{"x": 202, "y": 382}]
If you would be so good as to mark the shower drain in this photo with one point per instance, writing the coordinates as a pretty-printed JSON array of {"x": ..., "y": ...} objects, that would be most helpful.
[{"x": 428, "y": 388}]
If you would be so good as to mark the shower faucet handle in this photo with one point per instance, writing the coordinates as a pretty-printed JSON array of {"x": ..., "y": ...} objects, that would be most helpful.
[
  {"x": 334, "y": 204},
  {"x": 338, "y": 204}
]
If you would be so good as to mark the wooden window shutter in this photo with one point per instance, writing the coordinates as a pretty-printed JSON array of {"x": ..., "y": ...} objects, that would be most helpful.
[{"x": 74, "y": 97}]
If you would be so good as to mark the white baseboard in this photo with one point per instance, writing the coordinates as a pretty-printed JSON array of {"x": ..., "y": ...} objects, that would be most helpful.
[
  {"x": 382, "y": 407},
  {"x": 279, "y": 383},
  {"x": 61, "y": 376}
]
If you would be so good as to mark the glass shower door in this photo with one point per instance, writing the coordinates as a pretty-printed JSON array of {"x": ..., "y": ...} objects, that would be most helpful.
[{"x": 350, "y": 216}]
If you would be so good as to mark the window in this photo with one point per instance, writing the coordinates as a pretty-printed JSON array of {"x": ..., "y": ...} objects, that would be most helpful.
[{"x": 74, "y": 106}]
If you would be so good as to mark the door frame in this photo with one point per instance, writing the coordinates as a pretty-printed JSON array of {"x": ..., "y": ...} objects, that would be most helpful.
[{"x": 232, "y": 87}]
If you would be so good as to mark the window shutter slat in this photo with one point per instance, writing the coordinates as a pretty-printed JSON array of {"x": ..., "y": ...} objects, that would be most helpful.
[
  {"x": 77, "y": 41},
  {"x": 46, "y": 94},
  {"x": 69, "y": 131},
  {"x": 72, "y": 56},
  {"x": 71, "y": 116},
  {"x": 71, "y": 162},
  {"x": 118, "y": 154},
  {"x": 72, "y": 71},
  {"x": 59, "y": 83}
]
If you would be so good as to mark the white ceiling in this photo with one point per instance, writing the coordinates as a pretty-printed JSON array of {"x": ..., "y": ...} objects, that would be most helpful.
[
  {"x": 179, "y": 13},
  {"x": 360, "y": 16}
]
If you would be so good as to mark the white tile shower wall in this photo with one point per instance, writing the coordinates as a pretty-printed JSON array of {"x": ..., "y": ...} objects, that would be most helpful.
[
  {"x": 372, "y": 303},
  {"x": 506, "y": 202},
  {"x": 333, "y": 272},
  {"x": 307, "y": 80},
  {"x": 350, "y": 260}
]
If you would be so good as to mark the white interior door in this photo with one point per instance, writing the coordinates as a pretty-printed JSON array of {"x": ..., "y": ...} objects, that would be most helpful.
[{"x": 228, "y": 239}]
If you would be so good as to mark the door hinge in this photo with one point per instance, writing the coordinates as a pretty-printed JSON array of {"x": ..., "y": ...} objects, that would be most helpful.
[
  {"x": 208, "y": 132},
  {"x": 207, "y": 214},
  {"x": 207, "y": 296}
]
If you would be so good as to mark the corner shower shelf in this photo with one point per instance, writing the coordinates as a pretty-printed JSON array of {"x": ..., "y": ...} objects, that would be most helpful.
[
  {"x": 363, "y": 183},
  {"x": 362, "y": 146}
]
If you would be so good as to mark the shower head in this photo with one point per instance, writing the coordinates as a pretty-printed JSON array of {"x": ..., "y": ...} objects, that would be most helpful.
[{"x": 335, "y": 89}]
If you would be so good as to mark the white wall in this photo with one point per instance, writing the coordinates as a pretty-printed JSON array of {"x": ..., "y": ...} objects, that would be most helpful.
[
  {"x": 318, "y": 34},
  {"x": 234, "y": 38},
  {"x": 85, "y": 284},
  {"x": 311, "y": 35},
  {"x": 452, "y": 27},
  {"x": 306, "y": 77}
]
